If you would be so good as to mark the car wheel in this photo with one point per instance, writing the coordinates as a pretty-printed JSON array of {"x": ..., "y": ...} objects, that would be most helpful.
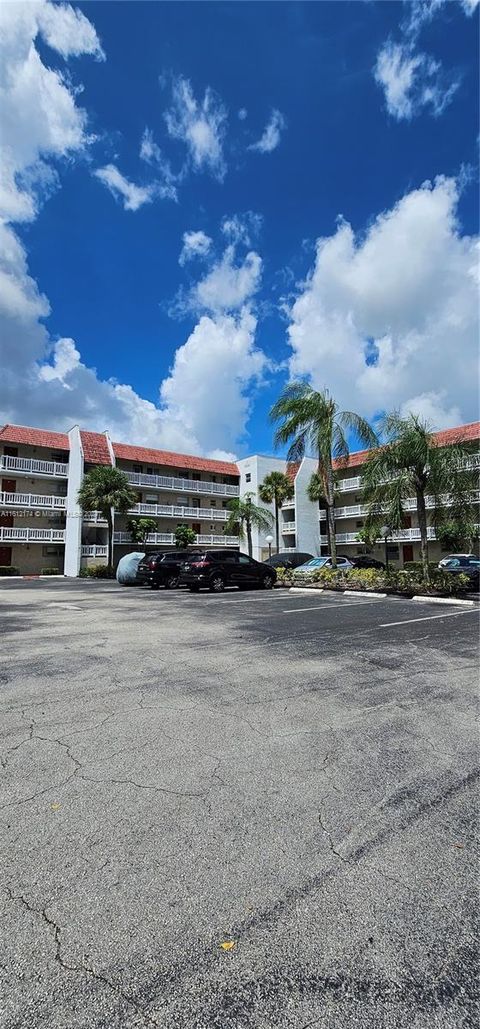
[
  {"x": 194, "y": 589},
  {"x": 217, "y": 584},
  {"x": 267, "y": 582},
  {"x": 172, "y": 582}
]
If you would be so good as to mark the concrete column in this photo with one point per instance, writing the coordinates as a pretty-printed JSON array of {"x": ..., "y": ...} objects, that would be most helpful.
[{"x": 73, "y": 530}]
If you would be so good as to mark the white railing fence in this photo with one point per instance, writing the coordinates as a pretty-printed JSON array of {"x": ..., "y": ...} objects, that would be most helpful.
[
  {"x": 169, "y": 538},
  {"x": 182, "y": 485},
  {"x": 11, "y": 534},
  {"x": 30, "y": 466},
  {"x": 32, "y": 500}
]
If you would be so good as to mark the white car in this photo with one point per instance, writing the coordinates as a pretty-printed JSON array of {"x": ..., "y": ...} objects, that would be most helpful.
[{"x": 343, "y": 564}]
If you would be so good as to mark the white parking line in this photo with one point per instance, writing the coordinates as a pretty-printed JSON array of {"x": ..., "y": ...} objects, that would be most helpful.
[
  {"x": 245, "y": 600},
  {"x": 317, "y": 607},
  {"x": 426, "y": 618}
]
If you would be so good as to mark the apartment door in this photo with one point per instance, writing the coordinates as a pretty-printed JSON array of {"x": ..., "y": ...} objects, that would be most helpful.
[
  {"x": 5, "y": 557},
  {"x": 407, "y": 552},
  {"x": 197, "y": 528},
  {"x": 9, "y": 485}
]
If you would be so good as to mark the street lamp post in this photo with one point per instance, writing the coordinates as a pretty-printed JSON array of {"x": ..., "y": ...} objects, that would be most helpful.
[
  {"x": 386, "y": 532},
  {"x": 269, "y": 540}
]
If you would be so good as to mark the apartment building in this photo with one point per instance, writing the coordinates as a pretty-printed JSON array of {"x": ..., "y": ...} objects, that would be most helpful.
[
  {"x": 42, "y": 526},
  {"x": 303, "y": 525}
]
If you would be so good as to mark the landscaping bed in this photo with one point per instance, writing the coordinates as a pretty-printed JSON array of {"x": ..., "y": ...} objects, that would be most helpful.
[{"x": 401, "y": 583}]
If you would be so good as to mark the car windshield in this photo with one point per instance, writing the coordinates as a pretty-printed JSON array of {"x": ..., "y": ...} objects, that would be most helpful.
[{"x": 316, "y": 562}]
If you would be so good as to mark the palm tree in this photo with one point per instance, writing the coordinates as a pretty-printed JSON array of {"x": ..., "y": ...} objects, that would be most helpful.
[
  {"x": 411, "y": 462},
  {"x": 106, "y": 489},
  {"x": 243, "y": 515},
  {"x": 311, "y": 421},
  {"x": 275, "y": 488}
]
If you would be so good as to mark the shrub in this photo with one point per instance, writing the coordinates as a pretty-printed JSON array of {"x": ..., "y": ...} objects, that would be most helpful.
[
  {"x": 97, "y": 572},
  {"x": 328, "y": 577},
  {"x": 285, "y": 576},
  {"x": 8, "y": 570},
  {"x": 50, "y": 571},
  {"x": 365, "y": 578},
  {"x": 416, "y": 566}
]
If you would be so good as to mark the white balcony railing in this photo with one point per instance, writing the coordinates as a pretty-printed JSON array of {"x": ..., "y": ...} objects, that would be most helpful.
[
  {"x": 182, "y": 485},
  {"x": 169, "y": 538},
  {"x": 288, "y": 527},
  {"x": 356, "y": 482},
  {"x": 32, "y": 500},
  {"x": 30, "y": 466},
  {"x": 410, "y": 504},
  {"x": 209, "y": 514},
  {"x": 9, "y": 534},
  {"x": 94, "y": 551},
  {"x": 401, "y": 536}
]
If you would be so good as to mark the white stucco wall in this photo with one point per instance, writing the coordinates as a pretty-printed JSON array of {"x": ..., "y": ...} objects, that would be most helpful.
[{"x": 73, "y": 528}]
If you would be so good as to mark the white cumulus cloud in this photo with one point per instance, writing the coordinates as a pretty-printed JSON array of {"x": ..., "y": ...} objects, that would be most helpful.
[
  {"x": 412, "y": 81},
  {"x": 200, "y": 125},
  {"x": 271, "y": 134},
  {"x": 40, "y": 118},
  {"x": 390, "y": 319},
  {"x": 131, "y": 195},
  {"x": 229, "y": 284},
  {"x": 195, "y": 244}
]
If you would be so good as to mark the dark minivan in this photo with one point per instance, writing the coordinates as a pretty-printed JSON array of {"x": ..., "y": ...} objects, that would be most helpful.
[
  {"x": 215, "y": 569},
  {"x": 162, "y": 569}
]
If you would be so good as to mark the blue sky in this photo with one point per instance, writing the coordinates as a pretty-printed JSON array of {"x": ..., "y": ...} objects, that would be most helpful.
[{"x": 168, "y": 291}]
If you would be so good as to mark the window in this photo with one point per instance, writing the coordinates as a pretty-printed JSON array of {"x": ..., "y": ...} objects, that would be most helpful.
[
  {"x": 230, "y": 559},
  {"x": 248, "y": 477},
  {"x": 359, "y": 525},
  {"x": 224, "y": 503},
  {"x": 196, "y": 476},
  {"x": 150, "y": 471},
  {"x": 214, "y": 503},
  {"x": 138, "y": 468},
  {"x": 196, "y": 502},
  {"x": 244, "y": 560},
  {"x": 214, "y": 478}
]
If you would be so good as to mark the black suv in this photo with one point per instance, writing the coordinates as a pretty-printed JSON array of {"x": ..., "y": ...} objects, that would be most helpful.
[
  {"x": 216, "y": 569},
  {"x": 157, "y": 570}
]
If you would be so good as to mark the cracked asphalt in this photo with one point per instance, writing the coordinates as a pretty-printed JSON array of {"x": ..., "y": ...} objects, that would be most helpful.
[{"x": 296, "y": 775}]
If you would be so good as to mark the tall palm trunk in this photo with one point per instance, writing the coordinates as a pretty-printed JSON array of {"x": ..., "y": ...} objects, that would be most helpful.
[
  {"x": 277, "y": 527},
  {"x": 330, "y": 498},
  {"x": 248, "y": 527},
  {"x": 422, "y": 525},
  {"x": 110, "y": 537}
]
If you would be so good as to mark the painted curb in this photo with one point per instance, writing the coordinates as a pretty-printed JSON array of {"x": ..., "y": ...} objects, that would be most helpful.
[
  {"x": 28, "y": 578},
  {"x": 362, "y": 593},
  {"x": 306, "y": 589},
  {"x": 445, "y": 600}
]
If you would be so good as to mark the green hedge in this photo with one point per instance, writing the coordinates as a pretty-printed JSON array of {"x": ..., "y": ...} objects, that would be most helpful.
[
  {"x": 8, "y": 570},
  {"x": 97, "y": 572},
  {"x": 398, "y": 581},
  {"x": 50, "y": 571}
]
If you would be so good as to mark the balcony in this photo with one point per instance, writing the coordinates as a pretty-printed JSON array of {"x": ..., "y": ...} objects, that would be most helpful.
[
  {"x": 401, "y": 536},
  {"x": 13, "y": 535},
  {"x": 209, "y": 514},
  {"x": 410, "y": 504},
  {"x": 94, "y": 551},
  {"x": 33, "y": 500},
  {"x": 169, "y": 538},
  {"x": 356, "y": 482},
  {"x": 182, "y": 485},
  {"x": 29, "y": 466},
  {"x": 288, "y": 527}
]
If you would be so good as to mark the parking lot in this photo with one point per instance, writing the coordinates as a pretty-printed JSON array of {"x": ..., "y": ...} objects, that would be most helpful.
[{"x": 291, "y": 774}]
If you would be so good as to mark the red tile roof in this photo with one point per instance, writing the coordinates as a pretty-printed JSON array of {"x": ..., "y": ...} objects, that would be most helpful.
[
  {"x": 95, "y": 447},
  {"x": 461, "y": 434},
  {"x": 292, "y": 469},
  {"x": 34, "y": 437},
  {"x": 145, "y": 455}
]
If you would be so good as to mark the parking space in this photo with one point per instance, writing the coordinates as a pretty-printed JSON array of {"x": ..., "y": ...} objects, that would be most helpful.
[{"x": 294, "y": 775}]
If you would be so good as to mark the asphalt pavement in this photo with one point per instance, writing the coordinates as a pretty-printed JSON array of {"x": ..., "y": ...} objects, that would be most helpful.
[{"x": 246, "y": 811}]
